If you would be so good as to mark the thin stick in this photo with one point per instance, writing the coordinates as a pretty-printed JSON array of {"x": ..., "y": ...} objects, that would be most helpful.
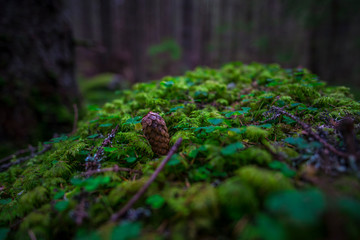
[
  {"x": 8, "y": 158},
  {"x": 118, "y": 215},
  {"x": 115, "y": 168},
  {"x": 308, "y": 129},
  {"x": 23, "y": 159},
  {"x": 31, "y": 235}
]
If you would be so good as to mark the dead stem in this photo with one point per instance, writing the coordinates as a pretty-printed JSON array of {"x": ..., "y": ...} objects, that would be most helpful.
[{"x": 118, "y": 215}]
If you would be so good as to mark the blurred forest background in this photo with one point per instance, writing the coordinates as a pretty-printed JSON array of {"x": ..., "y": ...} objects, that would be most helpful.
[
  {"x": 56, "y": 55},
  {"x": 142, "y": 39}
]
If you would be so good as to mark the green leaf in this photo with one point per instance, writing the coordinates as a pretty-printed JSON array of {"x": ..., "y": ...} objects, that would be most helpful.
[
  {"x": 208, "y": 129},
  {"x": 133, "y": 120},
  {"x": 280, "y": 103},
  {"x": 201, "y": 94},
  {"x": 59, "y": 195},
  {"x": 156, "y": 201},
  {"x": 168, "y": 84},
  {"x": 299, "y": 142},
  {"x": 93, "y": 136},
  {"x": 106, "y": 125},
  {"x": 267, "y": 125},
  {"x": 3, "y": 233},
  {"x": 174, "y": 160},
  {"x": 232, "y": 148},
  {"x": 76, "y": 181},
  {"x": 288, "y": 120},
  {"x": 61, "y": 205},
  {"x": 174, "y": 109},
  {"x": 59, "y": 139},
  {"x": 294, "y": 104},
  {"x": 93, "y": 108},
  {"x": 215, "y": 121},
  {"x": 312, "y": 109},
  {"x": 244, "y": 111},
  {"x": 86, "y": 234},
  {"x": 93, "y": 121},
  {"x": 74, "y": 138},
  {"x": 194, "y": 153},
  {"x": 84, "y": 152},
  {"x": 5, "y": 201},
  {"x": 199, "y": 174},
  {"x": 283, "y": 168},
  {"x": 350, "y": 206},
  {"x": 109, "y": 149},
  {"x": 238, "y": 130},
  {"x": 269, "y": 228},
  {"x": 91, "y": 184},
  {"x": 126, "y": 231},
  {"x": 300, "y": 207},
  {"x": 131, "y": 159}
]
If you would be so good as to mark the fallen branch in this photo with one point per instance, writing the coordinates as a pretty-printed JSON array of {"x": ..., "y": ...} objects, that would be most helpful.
[
  {"x": 19, "y": 152},
  {"x": 4, "y": 167},
  {"x": 118, "y": 215},
  {"x": 115, "y": 168},
  {"x": 308, "y": 129}
]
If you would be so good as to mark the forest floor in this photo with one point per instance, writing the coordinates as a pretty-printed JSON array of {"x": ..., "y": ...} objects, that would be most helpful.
[{"x": 256, "y": 152}]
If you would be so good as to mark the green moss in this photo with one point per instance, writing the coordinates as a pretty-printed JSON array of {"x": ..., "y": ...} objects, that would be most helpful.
[
  {"x": 59, "y": 170},
  {"x": 236, "y": 198},
  {"x": 212, "y": 187},
  {"x": 255, "y": 134},
  {"x": 264, "y": 181},
  {"x": 33, "y": 199},
  {"x": 38, "y": 222},
  {"x": 255, "y": 155}
]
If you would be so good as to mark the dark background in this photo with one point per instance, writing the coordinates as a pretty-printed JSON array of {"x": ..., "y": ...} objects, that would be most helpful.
[
  {"x": 144, "y": 39},
  {"x": 49, "y": 48}
]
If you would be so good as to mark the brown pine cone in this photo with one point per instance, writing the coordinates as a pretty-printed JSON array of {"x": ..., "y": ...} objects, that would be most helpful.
[{"x": 155, "y": 130}]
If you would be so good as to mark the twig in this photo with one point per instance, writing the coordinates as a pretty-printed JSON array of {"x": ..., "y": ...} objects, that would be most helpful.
[
  {"x": 19, "y": 152},
  {"x": 136, "y": 197},
  {"x": 80, "y": 212},
  {"x": 4, "y": 167},
  {"x": 308, "y": 129},
  {"x": 115, "y": 168},
  {"x": 31, "y": 235},
  {"x": 94, "y": 161},
  {"x": 277, "y": 156},
  {"x": 76, "y": 117}
]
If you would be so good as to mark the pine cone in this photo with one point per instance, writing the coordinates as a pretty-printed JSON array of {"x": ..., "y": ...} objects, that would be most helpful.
[{"x": 155, "y": 130}]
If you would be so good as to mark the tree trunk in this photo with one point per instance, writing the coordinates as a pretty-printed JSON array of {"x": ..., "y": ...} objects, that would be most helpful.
[{"x": 38, "y": 87}]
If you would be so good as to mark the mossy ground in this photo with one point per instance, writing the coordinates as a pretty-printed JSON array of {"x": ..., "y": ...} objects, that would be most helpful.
[{"x": 239, "y": 173}]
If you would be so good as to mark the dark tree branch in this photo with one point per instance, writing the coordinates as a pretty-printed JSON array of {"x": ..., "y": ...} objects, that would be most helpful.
[
  {"x": 19, "y": 152},
  {"x": 6, "y": 166}
]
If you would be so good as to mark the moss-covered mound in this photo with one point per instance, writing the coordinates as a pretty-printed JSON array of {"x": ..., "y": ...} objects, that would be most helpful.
[{"x": 267, "y": 153}]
